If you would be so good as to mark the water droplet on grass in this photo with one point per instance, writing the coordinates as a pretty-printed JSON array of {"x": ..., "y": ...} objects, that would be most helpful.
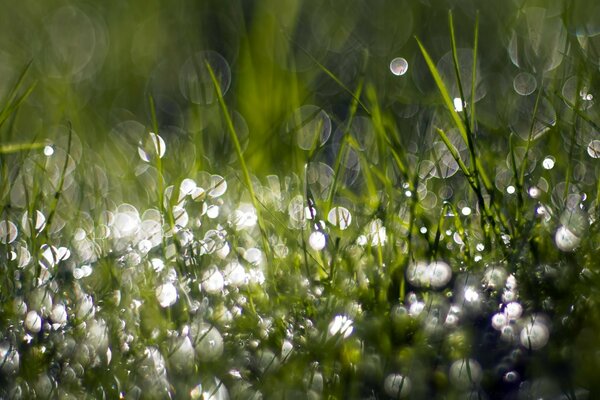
[
  {"x": 166, "y": 294},
  {"x": 212, "y": 280},
  {"x": 399, "y": 66},
  {"x": 439, "y": 273},
  {"x": 593, "y": 149},
  {"x": 499, "y": 320},
  {"x": 465, "y": 373},
  {"x": 458, "y": 104},
  {"x": 309, "y": 126},
  {"x": 534, "y": 335},
  {"x": 340, "y": 217},
  {"x": 524, "y": 83},
  {"x": 218, "y": 186},
  {"x": 8, "y": 231},
  {"x": 212, "y": 211},
  {"x": 48, "y": 150},
  {"x": 207, "y": 341},
  {"x": 566, "y": 240},
  {"x": 151, "y": 146},
  {"x": 341, "y": 325},
  {"x": 38, "y": 225},
  {"x": 548, "y": 162},
  {"x": 397, "y": 386},
  {"x": 33, "y": 322},
  {"x": 195, "y": 82},
  {"x": 317, "y": 240}
]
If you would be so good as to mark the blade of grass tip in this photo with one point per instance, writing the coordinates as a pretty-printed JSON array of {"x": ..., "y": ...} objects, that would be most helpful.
[
  {"x": 240, "y": 157},
  {"x": 443, "y": 91},
  {"x": 456, "y": 66}
]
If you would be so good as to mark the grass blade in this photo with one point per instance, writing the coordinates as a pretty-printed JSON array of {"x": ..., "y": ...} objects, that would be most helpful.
[
  {"x": 240, "y": 157},
  {"x": 18, "y": 147},
  {"x": 443, "y": 91}
]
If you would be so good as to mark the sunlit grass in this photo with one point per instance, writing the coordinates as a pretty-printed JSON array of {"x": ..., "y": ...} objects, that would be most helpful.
[{"x": 276, "y": 209}]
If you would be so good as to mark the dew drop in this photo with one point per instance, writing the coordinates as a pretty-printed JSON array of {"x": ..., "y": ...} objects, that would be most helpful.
[
  {"x": 317, "y": 240},
  {"x": 548, "y": 162},
  {"x": 534, "y": 335},
  {"x": 499, "y": 320},
  {"x": 166, "y": 294},
  {"x": 153, "y": 145},
  {"x": 524, "y": 83},
  {"x": 465, "y": 373},
  {"x": 397, "y": 386},
  {"x": 48, "y": 150},
  {"x": 565, "y": 239},
  {"x": 8, "y": 231},
  {"x": 399, "y": 66},
  {"x": 458, "y": 104},
  {"x": 219, "y": 186},
  {"x": 340, "y": 217},
  {"x": 593, "y": 149}
]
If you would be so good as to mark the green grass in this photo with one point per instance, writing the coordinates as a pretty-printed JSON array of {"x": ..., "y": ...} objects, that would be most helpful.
[{"x": 406, "y": 249}]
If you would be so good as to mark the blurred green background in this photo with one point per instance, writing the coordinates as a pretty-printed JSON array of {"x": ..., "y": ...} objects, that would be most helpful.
[{"x": 96, "y": 63}]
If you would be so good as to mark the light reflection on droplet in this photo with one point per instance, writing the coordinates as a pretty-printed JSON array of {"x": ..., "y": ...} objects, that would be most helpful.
[
  {"x": 565, "y": 239},
  {"x": 535, "y": 335},
  {"x": 317, "y": 240},
  {"x": 397, "y": 386},
  {"x": 524, "y": 83},
  {"x": 8, "y": 231},
  {"x": 340, "y": 217},
  {"x": 399, "y": 66},
  {"x": 166, "y": 294},
  {"x": 458, "y": 104},
  {"x": 151, "y": 146},
  {"x": 534, "y": 192},
  {"x": 593, "y": 149},
  {"x": 48, "y": 150},
  {"x": 219, "y": 186},
  {"x": 195, "y": 81},
  {"x": 465, "y": 373},
  {"x": 548, "y": 162},
  {"x": 510, "y": 189}
]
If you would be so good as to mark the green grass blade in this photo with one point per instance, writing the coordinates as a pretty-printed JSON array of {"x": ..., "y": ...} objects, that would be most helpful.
[
  {"x": 334, "y": 78},
  {"x": 240, "y": 157},
  {"x": 18, "y": 147},
  {"x": 474, "y": 72},
  {"x": 443, "y": 91},
  {"x": 61, "y": 182}
]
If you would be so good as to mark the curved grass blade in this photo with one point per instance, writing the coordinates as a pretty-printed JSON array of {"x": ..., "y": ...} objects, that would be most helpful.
[{"x": 240, "y": 157}]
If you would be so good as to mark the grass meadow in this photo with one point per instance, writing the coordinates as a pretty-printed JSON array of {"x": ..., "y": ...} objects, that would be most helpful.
[{"x": 266, "y": 199}]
